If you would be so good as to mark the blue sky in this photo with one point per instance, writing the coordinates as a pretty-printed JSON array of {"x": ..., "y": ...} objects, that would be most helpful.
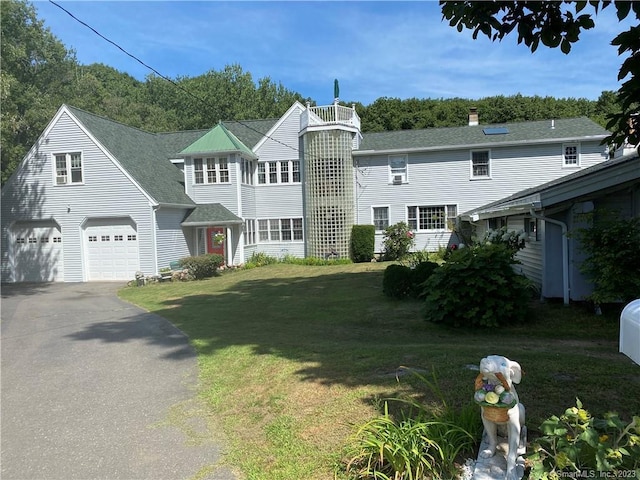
[{"x": 375, "y": 49}]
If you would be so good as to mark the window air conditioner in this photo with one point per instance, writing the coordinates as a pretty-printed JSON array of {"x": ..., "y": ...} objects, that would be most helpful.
[{"x": 397, "y": 179}]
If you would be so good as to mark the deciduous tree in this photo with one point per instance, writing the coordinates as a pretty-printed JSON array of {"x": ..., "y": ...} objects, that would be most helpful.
[{"x": 559, "y": 24}]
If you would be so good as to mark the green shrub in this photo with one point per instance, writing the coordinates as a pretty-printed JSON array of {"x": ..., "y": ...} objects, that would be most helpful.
[
  {"x": 397, "y": 281},
  {"x": 314, "y": 261},
  {"x": 582, "y": 445},
  {"x": 477, "y": 287},
  {"x": 419, "y": 274},
  {"x": 612, "y": 247},
  {"x": 397, "y": 241},
  {"x": 260, "y": 259},
  {"x": 414, "y": 258},
  {"x": 202, "y": 266},
  {"x": 363, "y": 239}
]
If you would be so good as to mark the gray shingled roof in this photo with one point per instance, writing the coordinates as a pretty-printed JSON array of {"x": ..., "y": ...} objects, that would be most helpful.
[
  {"x": 210, "y": 213},
  {"x": 142, "y": 153},
  {"x": 474, "y": 135}
]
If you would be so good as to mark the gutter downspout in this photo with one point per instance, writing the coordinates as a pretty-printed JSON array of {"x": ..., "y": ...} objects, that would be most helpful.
[{"x": 565, "y": 252}]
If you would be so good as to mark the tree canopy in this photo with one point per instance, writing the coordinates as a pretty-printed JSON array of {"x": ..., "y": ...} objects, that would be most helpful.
[
  {"x": 559, "y": 24},
  {"x": 39, "y": 73}
]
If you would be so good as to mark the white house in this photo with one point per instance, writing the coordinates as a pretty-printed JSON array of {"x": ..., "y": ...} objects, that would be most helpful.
[
  {"x": 98, "y": 200},
  {"x": 551, "y": 212}
]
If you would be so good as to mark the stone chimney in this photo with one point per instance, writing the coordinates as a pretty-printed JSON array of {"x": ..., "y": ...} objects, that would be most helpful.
[{"x": 473, "y": 116}]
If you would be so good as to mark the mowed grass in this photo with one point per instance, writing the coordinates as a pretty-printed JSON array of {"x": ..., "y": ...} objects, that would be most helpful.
[{"x": 293, "y": 358}]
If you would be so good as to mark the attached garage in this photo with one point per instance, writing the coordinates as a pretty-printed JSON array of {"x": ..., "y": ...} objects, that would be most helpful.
[
  {"x": 111, "y": 245},
  {"x": 37, "y": 251}
]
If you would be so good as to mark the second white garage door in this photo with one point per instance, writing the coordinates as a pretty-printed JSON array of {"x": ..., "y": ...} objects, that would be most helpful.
[{"x": 112, "y": 249}]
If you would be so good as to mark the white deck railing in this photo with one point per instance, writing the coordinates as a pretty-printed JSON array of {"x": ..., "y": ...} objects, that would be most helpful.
[{"x": 330, "y": 115}]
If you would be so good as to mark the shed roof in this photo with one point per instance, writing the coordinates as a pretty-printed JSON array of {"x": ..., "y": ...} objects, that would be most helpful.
[{"x": 210, "y": 214}]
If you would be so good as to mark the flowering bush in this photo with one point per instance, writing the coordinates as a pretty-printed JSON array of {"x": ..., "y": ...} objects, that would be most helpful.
[
  {"x": 513, "y": 240},
  {"x": 579, "y": 444},
  {"x": 398, "y": 241}
]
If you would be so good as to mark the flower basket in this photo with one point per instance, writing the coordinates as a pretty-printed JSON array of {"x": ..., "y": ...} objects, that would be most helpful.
[{"x": 496, "y": 400}]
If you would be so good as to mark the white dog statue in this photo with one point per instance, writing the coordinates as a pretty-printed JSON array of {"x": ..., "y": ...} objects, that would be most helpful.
[{"x": 499, "y": 374}]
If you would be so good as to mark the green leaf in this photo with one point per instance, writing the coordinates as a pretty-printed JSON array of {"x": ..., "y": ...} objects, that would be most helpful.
[
  {"x": 623, "y": 9},
  {"x": 565, "y": 46}
]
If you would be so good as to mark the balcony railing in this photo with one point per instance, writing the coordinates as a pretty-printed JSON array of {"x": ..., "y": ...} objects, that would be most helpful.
[{"x": 330, "y": 115}]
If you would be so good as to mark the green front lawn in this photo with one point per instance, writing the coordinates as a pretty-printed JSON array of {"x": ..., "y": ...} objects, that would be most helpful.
[{"x": 293, "y": 358}]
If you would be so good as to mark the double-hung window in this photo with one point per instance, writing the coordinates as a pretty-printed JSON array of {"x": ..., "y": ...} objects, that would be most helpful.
[
  {"x": 480, "y": 164},
  {"x": 280, "y": 229},
  {"x": 570, "y": 155},
  {"x": 277, "y": 172},
  {"x": 381, "y": 217},
  {"x": 397, "y": 169},
  {"x": 434, "y": 217},
  {"x": 210, "y": 170},
  {"x": 198, "y": 170},
  {"x": 68, "y": 168}
]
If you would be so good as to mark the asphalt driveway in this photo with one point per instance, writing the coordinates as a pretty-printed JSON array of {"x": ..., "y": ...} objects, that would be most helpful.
[{"x": 95, "y": 388}]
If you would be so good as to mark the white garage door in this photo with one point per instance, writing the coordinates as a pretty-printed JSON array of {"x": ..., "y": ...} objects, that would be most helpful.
[
  {"x": 37, "y": 252},
  {"x": 112, "y": 249}
]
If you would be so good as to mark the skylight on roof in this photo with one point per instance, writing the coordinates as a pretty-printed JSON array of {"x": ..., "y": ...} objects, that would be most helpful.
[{"x": 495, "y": 130}]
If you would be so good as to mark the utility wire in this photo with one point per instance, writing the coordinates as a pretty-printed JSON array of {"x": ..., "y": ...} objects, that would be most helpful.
[{"x": 164, "y": 77}]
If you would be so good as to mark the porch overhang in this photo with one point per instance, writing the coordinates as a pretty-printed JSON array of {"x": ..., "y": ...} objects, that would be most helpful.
[{"x": 211, "y": 214}]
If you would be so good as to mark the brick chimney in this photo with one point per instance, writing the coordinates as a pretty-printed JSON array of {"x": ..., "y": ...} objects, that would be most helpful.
[{"x": 473, "y": 116}]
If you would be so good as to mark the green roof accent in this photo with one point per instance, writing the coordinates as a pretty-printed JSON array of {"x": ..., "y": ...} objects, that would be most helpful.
[
  {"x": 455, "y": 137},
  {"x": 218, "y": 139},
  {"x": 210, "y": 214}
]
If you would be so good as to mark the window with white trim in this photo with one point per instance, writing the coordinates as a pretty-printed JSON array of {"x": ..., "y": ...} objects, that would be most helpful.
[
  {"x": 280, "y": 229},
  {"x": 279, "y": 172},
  {"x": 480, "y": 164},
  {"x": 570, "y": 155},
  {"x": 210, "y": 170},
  {"x": 398, "y": 169},
  {"x": 249, "y": 232},
  {"x": 380, "y": 217},
  {"x": 68, "y": 168},
  {"x": 247, "y": 169},
  {"x": 433, "y": 217}
]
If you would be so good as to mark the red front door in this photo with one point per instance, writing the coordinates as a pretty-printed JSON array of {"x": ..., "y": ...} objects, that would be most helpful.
[{"x": 215, "y": 240}]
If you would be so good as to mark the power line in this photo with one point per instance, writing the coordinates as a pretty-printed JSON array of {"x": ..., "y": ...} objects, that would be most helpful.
[{"x": 164, "y": 77}]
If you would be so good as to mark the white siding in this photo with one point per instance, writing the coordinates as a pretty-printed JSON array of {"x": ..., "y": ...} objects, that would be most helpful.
[
  {"x": 279, "y": 201},
  {"x": 530, "y": 257},
  {"x": 105, "y": 192},
  {"x": 444, "y": 178},
  {"x": 224, "y": 193},
  {"x": 282, "y": 143},
  {"x": 170, "y": 236}
]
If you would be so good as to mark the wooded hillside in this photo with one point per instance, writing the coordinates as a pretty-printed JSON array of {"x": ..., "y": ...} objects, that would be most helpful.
[{"x": 39, "y": 74}]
